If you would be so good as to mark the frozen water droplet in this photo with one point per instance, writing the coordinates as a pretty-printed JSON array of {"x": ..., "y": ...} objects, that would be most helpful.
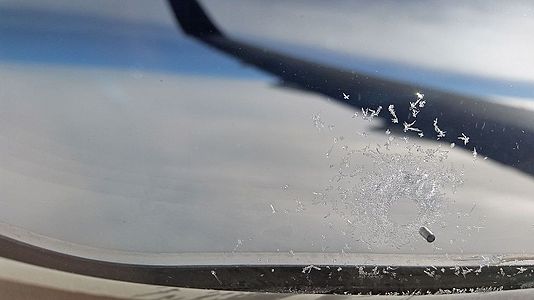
[
  {"x": 300, "y": 206},
  {"x": 317, "y": 121}
]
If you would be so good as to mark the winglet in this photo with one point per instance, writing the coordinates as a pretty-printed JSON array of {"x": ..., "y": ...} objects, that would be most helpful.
[{"x": 193, "y": 19}]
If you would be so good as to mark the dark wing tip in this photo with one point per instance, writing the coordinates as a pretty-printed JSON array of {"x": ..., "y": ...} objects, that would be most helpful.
[{"x": 193, "y": 19}]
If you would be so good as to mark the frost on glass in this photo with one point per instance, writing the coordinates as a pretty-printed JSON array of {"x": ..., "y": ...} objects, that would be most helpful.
[{"x": 386, "y": 192}]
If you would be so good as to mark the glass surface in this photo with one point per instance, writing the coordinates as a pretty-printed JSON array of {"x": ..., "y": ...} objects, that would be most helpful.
[{"x": 118, "y": 132}]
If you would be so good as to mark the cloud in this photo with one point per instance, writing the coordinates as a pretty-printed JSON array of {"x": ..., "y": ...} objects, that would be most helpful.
[
  {"x": 483, "y": 38},
  {"x": 166, "y": 163}
]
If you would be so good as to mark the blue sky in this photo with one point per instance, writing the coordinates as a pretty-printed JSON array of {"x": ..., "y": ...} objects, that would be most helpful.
[{"x": 99, "y": 41}]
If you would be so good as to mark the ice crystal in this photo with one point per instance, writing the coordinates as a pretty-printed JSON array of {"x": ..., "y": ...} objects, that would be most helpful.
[
  {"x": 367, "y": 199},
  {"x": 440, "y": 133},
  {"x": 317, "y": 121},
  {"x": 417, "y": 105},
  {"x": 215, "y": 275},
  {"x": 369, "y": 114},
  {"x": 464, "y": 138},
  {"x": 409, "y": 126},
  {"x": 300, "y": 206},
  {"x": 238, "y": 244},
  {"x": 309, "y": 268},
  {"x": 394, "y": 118}
]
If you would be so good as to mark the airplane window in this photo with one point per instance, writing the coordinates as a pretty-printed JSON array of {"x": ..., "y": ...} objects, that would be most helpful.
[{"x": 355, "y": 147}]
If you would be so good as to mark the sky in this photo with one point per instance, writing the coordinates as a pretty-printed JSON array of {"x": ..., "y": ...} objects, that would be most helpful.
[
  {"x": 134, "y": 137},
  {"x": 477, "y": 47},
  {"x": 89, "y": 37}
]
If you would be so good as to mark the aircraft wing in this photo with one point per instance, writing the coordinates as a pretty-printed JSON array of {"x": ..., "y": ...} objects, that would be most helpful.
[{"x": 500, "y": 132}]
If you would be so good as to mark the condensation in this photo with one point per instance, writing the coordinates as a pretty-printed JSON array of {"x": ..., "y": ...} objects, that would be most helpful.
[{"x": 384, "y": 193}]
